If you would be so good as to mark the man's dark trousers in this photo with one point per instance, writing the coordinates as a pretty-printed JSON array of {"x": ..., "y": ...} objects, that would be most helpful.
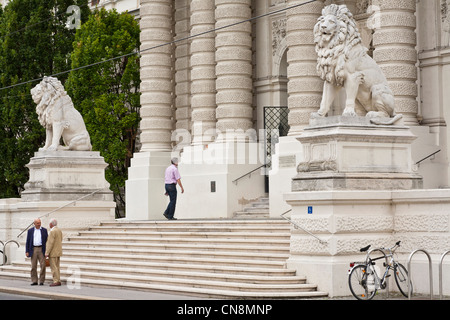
[{"x": 171, "y": 190}]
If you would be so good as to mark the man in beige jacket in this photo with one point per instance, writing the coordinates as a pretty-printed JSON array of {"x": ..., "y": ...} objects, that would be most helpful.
[{"x": 54, "y": 251}]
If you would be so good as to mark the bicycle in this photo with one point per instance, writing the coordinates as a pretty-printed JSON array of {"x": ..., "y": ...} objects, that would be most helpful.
[{"x": 364, "y": 279}]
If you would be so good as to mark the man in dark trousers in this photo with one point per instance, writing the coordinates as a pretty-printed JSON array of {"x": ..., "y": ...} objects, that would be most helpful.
[
  {"x": 171, "y": 179},
  {"x": 35, "y": 249}
]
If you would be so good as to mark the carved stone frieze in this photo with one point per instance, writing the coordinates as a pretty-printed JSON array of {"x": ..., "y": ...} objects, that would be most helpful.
[
  {"x": 277, "y": 2},
  {"x": 445, "y": 16},
  {"x": 278, "y": 33},
  {"x": 362, "y": 6},
  {"x": 327, "y": 165}
]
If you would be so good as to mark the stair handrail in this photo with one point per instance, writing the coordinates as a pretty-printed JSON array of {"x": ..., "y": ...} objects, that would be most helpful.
[
  {"x": 429, "y": 156},
  {"x": 59, "y": 208},
  {"x": 248, "y": 173},
  {"x": 300, "y": 227}
]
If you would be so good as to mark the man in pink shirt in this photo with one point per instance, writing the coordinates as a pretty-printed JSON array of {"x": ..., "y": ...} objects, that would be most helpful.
[{"x": 172, "y": 178}]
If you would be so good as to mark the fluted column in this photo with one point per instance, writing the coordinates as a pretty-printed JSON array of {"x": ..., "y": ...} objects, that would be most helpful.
[
  {"x": 395, "y": 51},
  {"x": 304, "y": 85},
  {"x": 234, "y": 67},
  {"x": 203, "y": 73},
  {"x": 156, "y": 75}
]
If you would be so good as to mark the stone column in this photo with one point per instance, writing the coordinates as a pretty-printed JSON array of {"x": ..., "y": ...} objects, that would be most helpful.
[
  {"x": 304, "y": 85},
  {"x": 156, "y": 75},
  {"x": 395, "y": 51},
  {"x": 203, "y": 72},
  {"x": 234, "y": 67},
  {"x": 144, "y": 198},
  {"x": 182, "y": 66}
]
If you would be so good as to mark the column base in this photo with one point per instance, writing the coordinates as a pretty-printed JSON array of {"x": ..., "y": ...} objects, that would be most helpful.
[{"x": 144, "y": 189}]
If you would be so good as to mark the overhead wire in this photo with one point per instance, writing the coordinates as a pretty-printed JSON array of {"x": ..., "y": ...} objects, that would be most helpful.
[{"x": 164, "y": 44}]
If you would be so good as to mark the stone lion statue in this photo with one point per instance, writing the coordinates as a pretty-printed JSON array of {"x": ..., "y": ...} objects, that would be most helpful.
[
  {"x": 343, "y": 62},
  {"x": 58, "y": 116}
]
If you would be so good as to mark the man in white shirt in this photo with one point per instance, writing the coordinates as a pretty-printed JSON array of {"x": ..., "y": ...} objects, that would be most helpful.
[
  {"x": 35, "y": 249},
  {"x": 172, "y": 178}
]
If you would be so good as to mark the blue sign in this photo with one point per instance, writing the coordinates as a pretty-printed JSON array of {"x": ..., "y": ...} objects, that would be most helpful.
[{"x": 310, "y": 210}]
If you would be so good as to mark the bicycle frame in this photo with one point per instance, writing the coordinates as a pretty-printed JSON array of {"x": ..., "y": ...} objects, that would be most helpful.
[
  {"x": 380, "y": 282},
  {"x": 388, "y": 255}
]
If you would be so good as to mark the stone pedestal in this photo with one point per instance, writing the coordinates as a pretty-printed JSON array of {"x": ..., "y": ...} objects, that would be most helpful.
[
  {"x": 344, "y": 153},
  {"x": 349, "y": 182},
  {"x": 69, "y": 186},
  {"x": 347, "y": 220},
  {"x": 67, "y": 176}
]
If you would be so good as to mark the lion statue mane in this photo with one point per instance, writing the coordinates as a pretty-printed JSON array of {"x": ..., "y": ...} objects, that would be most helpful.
[
  {"x": 343, "y": 62},
  {"x": 59, "y": 117}
]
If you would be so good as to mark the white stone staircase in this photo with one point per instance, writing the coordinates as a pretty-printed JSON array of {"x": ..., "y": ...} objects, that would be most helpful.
[
  {"x": 211, "y": 258},
  {"x": 258, "y": 209}
]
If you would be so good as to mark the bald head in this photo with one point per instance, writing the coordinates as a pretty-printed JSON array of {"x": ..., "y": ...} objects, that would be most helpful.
[{"x": 37, "y": 223}]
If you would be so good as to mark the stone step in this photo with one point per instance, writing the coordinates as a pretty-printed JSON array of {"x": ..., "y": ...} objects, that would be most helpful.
[
  {"x": 255, "y": 208},
  {"x": 175, "y": 288},
  {"x": 120, "y": 234},
  {"x": 219, "y": 259},
  {"x": 276, "y": 222},
  {"x": 181, "y": 240},
  {"x": 139, "y": 275},
  {"x": 250, "y": 215},
  {"x": 266, "y": 248},
  {"x": 67, "y": 270},
  {"x": 224, "y": 254},
  {"x": 258, "y": 209},
  {"x": 24, "y": 266},
  {"x": 178, "y": 228},
  {"x": 157, "y": 260},
  {"x": 260, "y": 203}
]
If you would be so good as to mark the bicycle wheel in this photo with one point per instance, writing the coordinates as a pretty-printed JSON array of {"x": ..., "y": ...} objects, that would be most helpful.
[
  {"x": 401, "y": 278},
  {"x": 362, "y": 283}
]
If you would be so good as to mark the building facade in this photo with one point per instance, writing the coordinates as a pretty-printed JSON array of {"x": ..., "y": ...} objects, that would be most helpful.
[
  {"x": 228, "y": 86},
  {"x": 217, "y": 77},
  {"x": 131, "y": 6},
  {"x": 215, "y": 66}
]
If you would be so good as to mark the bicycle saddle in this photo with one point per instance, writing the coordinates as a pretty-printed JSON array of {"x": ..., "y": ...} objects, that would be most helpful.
[{"x": 364, "y": 249}]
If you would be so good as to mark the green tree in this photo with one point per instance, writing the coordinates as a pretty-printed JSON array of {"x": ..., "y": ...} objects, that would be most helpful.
[
  {"x": 34, "y": 41},
  {"x": 107, "y": 94}
]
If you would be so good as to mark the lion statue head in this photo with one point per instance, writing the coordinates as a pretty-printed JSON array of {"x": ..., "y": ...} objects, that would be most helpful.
[
  {"x": 335, "y": 34},
  {"x": 44, "y": 94}
]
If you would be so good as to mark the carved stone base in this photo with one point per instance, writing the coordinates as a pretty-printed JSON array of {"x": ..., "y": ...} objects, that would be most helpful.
[
  {"x": 343, "y": 153},
  {"x": 345, "y": 221},
  {"x": 331, "y": 181},
  {"x": 66, "y": 175}
]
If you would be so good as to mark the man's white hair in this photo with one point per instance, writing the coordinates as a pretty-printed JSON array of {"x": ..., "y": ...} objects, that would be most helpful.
[{"x": 54, "y": 222}]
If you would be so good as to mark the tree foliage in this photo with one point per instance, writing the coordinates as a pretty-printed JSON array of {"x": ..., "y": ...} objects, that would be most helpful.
[
  {"x": 107, "y": 94},
  {"x": 34, "y": 41}
]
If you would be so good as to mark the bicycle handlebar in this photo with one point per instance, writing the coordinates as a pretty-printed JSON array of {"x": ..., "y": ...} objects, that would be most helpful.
[{"x": 397, "y": 244}]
